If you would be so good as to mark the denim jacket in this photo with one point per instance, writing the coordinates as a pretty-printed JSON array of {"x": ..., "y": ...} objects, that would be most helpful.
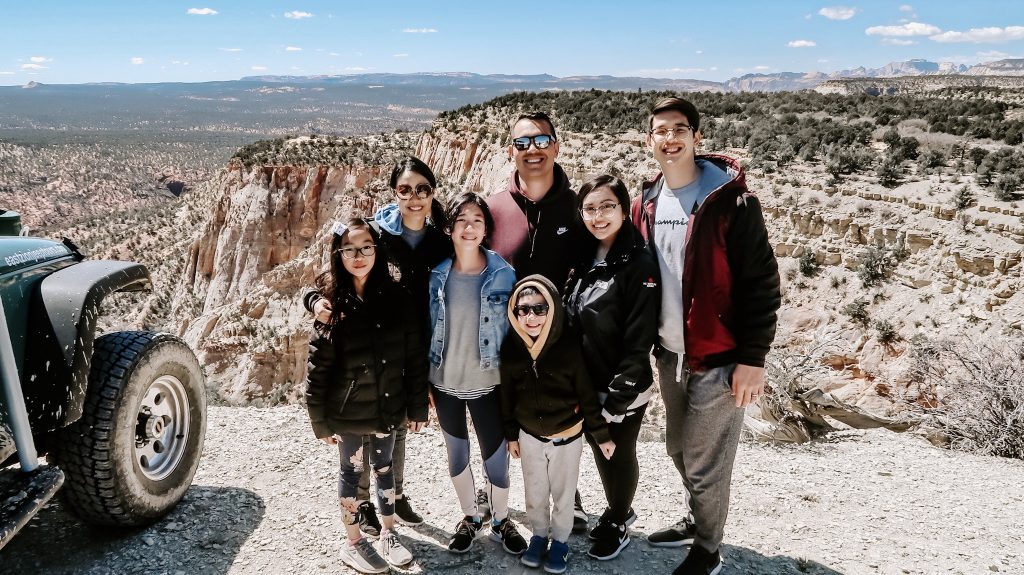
[{"x": 499, "y": 277}]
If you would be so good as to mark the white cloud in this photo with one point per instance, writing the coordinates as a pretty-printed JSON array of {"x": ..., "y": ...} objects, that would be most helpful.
[
  {"x": 908, "y": 29},
  {"x": 6, "y": 73},
  {"x": 333, "y": 54},
  {"x": 40, "y": 59},
  {"x": 991, "y": 35},
  {"x": 403, "y": 55},
  {"x": 179, "y": 62},
  {"x": 33, "y": 67},
  {"x": 136, "y": 61},
  {"x": 230, "y": 49},
  {"x": 293, "y": 49},
  {"x": 897, "y": 42},
  {"x": 838, "y": 12},
  {"x": 297, "y": 15},
  {"x": 419, "y": 30},
  {"x": 808, "y": 16},
  {"x": 258, "y": 68},
  {"x": 906, "y": 8},
  {"x": 994, "y": 55},
  {"x": 762, "y": 68},
  {"x": 823, "y": 60},
  {"x": 698, "y": 52},
  {"x": 802, "y": 44},
  {"x": 357, "y": 69},
  {"x": 202, "y": 11}
]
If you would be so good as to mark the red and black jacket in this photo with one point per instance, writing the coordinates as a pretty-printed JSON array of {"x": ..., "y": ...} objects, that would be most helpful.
[{"x": 731, "y": 289}]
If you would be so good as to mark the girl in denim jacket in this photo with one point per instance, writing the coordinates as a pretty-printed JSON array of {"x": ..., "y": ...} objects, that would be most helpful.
[{"x": 468, "y": 298}]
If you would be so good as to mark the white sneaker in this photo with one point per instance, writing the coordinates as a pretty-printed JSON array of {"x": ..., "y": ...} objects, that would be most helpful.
[
  {"x": 362, "y": 557},
  {"x": 392, "y": 550}
]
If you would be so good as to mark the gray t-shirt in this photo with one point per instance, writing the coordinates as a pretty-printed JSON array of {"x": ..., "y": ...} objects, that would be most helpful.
[
  {"x": 460, "y": 366},
  {"x": 671, "y": 224},
  {"x": 413, "y": 237}
]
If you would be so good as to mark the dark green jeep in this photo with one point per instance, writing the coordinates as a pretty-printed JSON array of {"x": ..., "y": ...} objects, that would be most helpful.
[{"x": 120, "y": 417}]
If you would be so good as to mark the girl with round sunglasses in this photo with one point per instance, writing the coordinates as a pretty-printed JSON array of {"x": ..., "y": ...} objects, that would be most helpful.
[
  {"x": 614, "y": 305},
  {"x": 468, "y": 294},
  {"x": 367, "y": 379},
  {"x": 411, "y": 233}
]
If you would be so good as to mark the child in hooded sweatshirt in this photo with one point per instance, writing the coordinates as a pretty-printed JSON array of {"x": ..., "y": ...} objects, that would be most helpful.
[{"x": 546, "y": 400}]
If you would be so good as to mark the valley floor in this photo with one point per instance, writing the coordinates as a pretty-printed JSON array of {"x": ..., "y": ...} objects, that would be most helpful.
[{"x": 265, "y": 502}]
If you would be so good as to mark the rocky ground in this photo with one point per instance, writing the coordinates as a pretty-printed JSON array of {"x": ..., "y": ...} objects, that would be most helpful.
[{"x": 264, "y": 502}]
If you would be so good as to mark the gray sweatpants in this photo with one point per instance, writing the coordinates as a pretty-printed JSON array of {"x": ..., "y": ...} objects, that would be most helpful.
[
  {"x": 702, "y": 429},
  {"x": 550, "y": 472}
]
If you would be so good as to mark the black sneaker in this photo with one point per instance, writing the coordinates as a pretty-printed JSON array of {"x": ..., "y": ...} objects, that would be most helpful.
[
  {"x": 510, "y": 539},
  {"x": 368, "y": 522},
  {"x": 465, "y": 534},
  {"x": 700, "y": 562},
  {"x": 606, "y": 528},
  {"x": 675, "y": 536},
  {"x": 405, "y": 513},
  {"x": 580, "y": 520},
  {"x": 612, "y": 541}
]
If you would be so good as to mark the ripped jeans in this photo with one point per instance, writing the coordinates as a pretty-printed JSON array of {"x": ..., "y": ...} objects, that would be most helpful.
[{"x": 350, "y": 449}]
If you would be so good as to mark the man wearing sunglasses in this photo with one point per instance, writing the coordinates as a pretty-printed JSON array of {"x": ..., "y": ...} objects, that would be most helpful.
[
  {"x": 720, "y": 295},
  {"x": 536, "y": 226}
]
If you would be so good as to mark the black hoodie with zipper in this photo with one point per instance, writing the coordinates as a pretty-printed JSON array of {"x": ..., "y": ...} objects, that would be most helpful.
[
  {"x": 615, "y": 306},
  {"x": 545, "y": 389}
]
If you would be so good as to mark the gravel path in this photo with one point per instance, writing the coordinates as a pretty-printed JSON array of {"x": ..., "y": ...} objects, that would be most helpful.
[{"x": 264, "y": 503}]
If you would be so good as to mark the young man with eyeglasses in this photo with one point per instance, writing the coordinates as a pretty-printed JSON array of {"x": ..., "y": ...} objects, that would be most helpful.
[{"x": 720, "y": 295}]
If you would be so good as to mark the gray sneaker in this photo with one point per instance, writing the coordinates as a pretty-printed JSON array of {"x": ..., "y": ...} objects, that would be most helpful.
[
  {"x": 362, "y": 557},
  {"x": 674, "y": 536},
  {"x": 392, "y": 550}
]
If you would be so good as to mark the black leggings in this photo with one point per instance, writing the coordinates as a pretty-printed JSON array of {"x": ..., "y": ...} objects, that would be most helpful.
[{"x": 620, "y": 474}]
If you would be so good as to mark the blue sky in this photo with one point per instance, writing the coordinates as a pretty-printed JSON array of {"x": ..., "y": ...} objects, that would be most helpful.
[{"x": 171, "y": 41}]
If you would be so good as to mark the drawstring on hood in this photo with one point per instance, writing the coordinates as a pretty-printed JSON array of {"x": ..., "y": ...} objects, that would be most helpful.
[{"x": 556, "y": 313}]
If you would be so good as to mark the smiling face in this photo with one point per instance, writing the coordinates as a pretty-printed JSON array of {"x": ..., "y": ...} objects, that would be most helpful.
[
  {"x": 360, "y": 265},
  {"x": 413, "y": 208},
  {"x": 603, "y": 227},
  {"x": 531, "y": 322},
  {"x": 672, "y": 149},
  {"x": 469, "y": 228},
  {"x": 533, "y": 162}
]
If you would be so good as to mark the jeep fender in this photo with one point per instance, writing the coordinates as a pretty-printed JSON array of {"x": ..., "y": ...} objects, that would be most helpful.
[{"x": 63, "y": 325}]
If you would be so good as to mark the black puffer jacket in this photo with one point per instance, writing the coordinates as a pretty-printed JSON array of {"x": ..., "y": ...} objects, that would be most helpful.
[
  {"x": 370, "y": 375},
  {"x": 615, "y": 307},
  {"x": 551, "y": 393}
]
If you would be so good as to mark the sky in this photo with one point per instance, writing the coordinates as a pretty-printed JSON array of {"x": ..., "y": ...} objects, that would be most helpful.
[{"x": 71, "y": 42}]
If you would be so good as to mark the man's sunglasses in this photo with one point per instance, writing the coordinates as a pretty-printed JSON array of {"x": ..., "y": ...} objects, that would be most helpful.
[
  {"x": 539, "y": 310},
  {"x": 423, "y": 191},
  {"x": 541, "y": 141}
]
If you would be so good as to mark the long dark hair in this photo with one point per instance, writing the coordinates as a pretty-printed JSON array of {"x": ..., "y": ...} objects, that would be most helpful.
[
  {"x": 335, "y": 283},
  {"x": 463, "y": 200},
  {"x": 418, "y": 166}
]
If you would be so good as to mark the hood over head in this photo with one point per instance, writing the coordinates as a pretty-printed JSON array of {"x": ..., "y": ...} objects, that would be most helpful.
[{"x": 553, "y": 327}]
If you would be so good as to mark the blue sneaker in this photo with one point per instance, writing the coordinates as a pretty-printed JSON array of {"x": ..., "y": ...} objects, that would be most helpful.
[
  {"x": 557, "y": 559},
  {"x": 535, "y": 552}
]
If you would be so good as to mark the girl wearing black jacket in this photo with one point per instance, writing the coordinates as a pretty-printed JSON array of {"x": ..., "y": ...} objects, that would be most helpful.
[
  {"x": 412, "y": 235},
  {"x": 367, "y": 378},
  {"x": 614, "y": 305}
]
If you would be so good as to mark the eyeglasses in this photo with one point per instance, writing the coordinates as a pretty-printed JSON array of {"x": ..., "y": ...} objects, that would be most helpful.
[
  {"x": 350, "y": 252},
  {"x": 604, "y": 210},
  {"x": 539, "y": 310},
  {"x": 665, "y": 133},
  {"x": 540, "y": 141},
  {"x": 423, "y": 191}
]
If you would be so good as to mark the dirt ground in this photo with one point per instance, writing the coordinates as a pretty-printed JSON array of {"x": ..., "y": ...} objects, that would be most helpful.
[{"x": 264, "y": 502}]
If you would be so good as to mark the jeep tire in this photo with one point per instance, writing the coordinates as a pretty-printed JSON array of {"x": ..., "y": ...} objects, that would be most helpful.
[{"x": 132, "y": 455}]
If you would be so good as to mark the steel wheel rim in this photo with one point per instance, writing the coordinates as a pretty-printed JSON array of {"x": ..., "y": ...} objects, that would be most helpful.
[{"x": 160, "y": 445}]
